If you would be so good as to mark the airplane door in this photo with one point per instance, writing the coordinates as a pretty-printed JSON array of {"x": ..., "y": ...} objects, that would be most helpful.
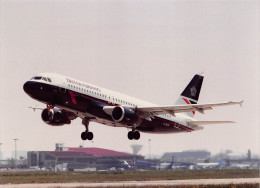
[{"x": 62, "y": 90}]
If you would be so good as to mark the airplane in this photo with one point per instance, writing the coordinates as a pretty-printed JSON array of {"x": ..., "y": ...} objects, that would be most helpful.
[
  {"x": 211, "y": 165},
  {"x": 67, "y": 98}
]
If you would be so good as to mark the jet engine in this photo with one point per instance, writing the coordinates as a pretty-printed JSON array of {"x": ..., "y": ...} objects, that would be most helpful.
[
  {"x": 124, "y": 115},
  {"x": 55, "y": 117}
]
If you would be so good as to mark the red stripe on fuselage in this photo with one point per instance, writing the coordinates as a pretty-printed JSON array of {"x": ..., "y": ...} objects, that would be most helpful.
[
  {"x": 72, "y": 97},
  {"x": 89, "y": 97},
  {"x": 188, "y": 102}
]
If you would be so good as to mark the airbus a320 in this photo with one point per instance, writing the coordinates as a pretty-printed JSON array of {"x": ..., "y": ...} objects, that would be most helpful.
[{"x": 67, "y": 99}]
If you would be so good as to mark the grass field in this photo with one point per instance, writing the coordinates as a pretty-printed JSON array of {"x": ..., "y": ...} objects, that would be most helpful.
[{"x": 62, "y": 177}]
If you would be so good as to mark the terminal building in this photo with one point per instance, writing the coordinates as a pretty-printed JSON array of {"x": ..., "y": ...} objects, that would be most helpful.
[{"x": 81, "y": 159}]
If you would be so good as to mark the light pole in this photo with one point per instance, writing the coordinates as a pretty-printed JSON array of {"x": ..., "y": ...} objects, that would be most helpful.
[
  {"x": 149, "y": 142},
  {"x": 1, "y": 151},
  {"x": 15, "y": 147},
  {"x": 136, "y": 148}
]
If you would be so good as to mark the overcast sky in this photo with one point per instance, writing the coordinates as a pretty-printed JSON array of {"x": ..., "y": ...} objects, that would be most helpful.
[{"x": 147, "y": 49}]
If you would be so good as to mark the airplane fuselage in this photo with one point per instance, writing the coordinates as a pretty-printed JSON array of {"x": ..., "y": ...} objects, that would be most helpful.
[{"x": 93, "y": 102}]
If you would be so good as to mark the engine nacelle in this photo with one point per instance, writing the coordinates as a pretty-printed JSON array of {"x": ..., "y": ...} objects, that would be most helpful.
[
  {"x": 124, "y": 115},
  {"x": 55, "y": 117}
]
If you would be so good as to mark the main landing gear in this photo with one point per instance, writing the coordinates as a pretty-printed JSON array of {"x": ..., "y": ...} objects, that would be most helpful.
[
  {"x": 86, "y": 135},
  {"x": 133, "y": 135}
]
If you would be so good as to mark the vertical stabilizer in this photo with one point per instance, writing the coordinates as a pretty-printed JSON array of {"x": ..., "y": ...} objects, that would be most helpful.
[{"x": 190, "y": 94}]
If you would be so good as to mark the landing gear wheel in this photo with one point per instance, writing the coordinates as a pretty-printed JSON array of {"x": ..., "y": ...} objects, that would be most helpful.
[
  {"x": 130, "y": 135},
  {"x": 90, "y": 135},
  {"x": 84, "y": 136},
  {"x": 87, "y": 136},
  {"x": 136, "y": 135},
  {"x": 133, "y": 135}
]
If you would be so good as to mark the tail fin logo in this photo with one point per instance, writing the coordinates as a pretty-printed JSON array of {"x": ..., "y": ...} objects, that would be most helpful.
[{"x": 193, "y": 91}]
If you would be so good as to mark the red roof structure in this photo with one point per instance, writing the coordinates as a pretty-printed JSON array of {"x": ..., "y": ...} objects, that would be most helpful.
[{"x": 99, "y": 152}]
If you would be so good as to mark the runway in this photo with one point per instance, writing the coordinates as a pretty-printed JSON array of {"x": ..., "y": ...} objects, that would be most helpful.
[{"x": 138, "y": 183}]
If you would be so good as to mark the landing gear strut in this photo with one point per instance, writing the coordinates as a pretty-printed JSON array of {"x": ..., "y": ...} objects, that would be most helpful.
[
  {"x": 50, "y": 106},
  {"x": 86, "y": 135},
  {"x": 133, "y": 135}
]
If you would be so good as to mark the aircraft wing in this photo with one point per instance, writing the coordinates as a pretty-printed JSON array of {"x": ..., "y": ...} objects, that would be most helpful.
[{"x": 153, "y": 111}]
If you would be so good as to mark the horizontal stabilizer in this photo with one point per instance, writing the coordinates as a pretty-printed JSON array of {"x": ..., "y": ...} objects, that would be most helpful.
[{"x": 197, "y": 125}]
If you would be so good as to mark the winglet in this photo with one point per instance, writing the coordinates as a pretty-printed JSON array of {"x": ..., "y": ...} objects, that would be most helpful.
[{"x": 240, "y": 103}]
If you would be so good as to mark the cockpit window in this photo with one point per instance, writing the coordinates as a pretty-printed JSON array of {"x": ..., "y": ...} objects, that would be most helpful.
[
  {"x": 41, "y": 78},
  {"x": 37, "y": 78},
  {"x": 45, "y": 79}
]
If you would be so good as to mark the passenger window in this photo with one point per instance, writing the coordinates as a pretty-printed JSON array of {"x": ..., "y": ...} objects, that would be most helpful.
[
  {"x": 49, "y": 80},
  {"x": 45, "y": 79}
]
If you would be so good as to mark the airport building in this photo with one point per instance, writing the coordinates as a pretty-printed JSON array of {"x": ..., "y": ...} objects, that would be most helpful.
[
  {"x": 81, "y": 159},
  {"x": 187, "y": 156}
]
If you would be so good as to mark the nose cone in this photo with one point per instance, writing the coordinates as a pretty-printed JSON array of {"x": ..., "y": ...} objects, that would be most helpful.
[
  {"x": 35, "y": 90},
  {"x": 27, "y": 87}
]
